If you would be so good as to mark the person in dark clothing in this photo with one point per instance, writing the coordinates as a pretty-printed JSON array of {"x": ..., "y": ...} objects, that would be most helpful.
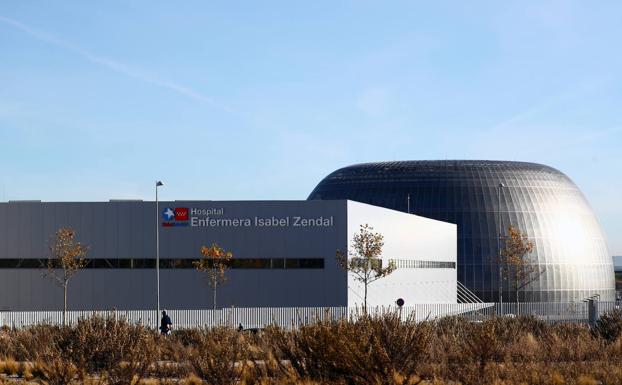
[{"x": 165, "y": 323}]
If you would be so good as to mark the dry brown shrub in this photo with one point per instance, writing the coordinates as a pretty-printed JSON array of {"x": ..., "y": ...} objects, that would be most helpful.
[
  {"x": 482, "y": 344},
  {"x": 113, "y": 349},
  {"x": 586, "y": 380},
  {"x": 45, "y": 347},
  {"x": 609, "y": 326},
  {"x": 5, "y": 342},
  {"x": 10, "y": 382},
  {"x": 30, "y": 343},
  {"x": 613, "y": 350},
  {"x": 556, "y": 378},
  {"x": 192, "y": 379},
  {"x": 9, "y": 366},
  {"x": 25, "y": 369},
  {"x": 171, "y": 349},
  {"x": 124, "y": 355},
  {"x": 463, "y": 350},
  {"x": 558, "y": 373},
  {"x": 445, "y": 347},
  {"x": 369, "y": 350},
  {"x": 262, "y": 366},
  {"x": 54, "y": 371},
  {"x": 570, "y": 343},
  {"x": 99, "y": 345},
  {"x": 170, "y": 369},
  {"x": 186, "y": 337},
  {"x": 309, "y": 352},
  {"x": 527, "y": 348},
  {"x": 218, "y": 355},
  {"x": 169, "y": 381},
  {"x": 172, "y": 359},
  {"x": 378, "y": 350},
  {"x": 149, "y": 381}
]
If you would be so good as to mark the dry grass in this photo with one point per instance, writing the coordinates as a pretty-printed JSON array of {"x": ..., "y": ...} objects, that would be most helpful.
[
  {"x": 11, "y": 366},
  {"x": 374, "y": 350}
]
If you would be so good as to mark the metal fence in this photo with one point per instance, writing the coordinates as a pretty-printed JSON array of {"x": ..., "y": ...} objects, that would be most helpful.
[{"x": 294, "y": 317}]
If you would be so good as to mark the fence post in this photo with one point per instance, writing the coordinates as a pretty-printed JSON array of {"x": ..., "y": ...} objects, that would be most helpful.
[{"x": 592, "y": 311}]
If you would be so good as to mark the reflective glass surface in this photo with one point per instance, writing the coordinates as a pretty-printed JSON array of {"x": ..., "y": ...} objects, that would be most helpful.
[{"x": 540, "y": 201}]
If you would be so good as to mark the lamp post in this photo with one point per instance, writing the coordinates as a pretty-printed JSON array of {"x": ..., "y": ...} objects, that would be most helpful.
[
  {"x": 501, "y": 185},
  {"x": 158, "y": 184}
]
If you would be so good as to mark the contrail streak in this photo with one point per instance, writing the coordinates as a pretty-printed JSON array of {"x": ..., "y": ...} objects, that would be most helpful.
[{"x": 111, "y": 64}]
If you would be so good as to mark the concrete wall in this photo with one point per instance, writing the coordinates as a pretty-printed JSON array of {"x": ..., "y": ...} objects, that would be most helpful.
[{"x": 406, "y": 237}]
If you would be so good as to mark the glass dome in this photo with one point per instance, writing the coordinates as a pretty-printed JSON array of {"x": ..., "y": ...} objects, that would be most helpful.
[{"x": 539, "y": 200}]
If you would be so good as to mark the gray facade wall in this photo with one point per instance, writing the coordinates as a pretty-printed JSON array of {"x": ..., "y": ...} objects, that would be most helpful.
[{"x": 128, "y": 230}]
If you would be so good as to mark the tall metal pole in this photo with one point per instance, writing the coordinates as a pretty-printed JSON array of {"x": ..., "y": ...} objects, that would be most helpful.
[
  {"x": 158, "y": 184},
  {"x": 408, "y": 204},
  {"x": 501, "y": 185}
]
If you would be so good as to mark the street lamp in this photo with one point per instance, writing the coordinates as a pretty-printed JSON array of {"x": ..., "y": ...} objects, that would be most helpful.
[
  {"x": 501, "y": 185},
  {"x": 158, "y": 184}
]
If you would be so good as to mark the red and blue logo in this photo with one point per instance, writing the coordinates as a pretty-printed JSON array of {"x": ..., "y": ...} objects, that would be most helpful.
[{"x": 175, "y": 217}]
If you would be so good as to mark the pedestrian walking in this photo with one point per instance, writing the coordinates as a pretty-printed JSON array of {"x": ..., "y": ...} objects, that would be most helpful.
[{"x": 165, "y": 324}]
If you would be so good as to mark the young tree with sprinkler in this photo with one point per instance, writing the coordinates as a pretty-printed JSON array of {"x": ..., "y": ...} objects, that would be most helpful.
[
  {"x": 363, "y": 260},
  {"x": 67, "y": 257},
  {"x": 214, "y": 262},
  {"x": 517, "y": 267}
]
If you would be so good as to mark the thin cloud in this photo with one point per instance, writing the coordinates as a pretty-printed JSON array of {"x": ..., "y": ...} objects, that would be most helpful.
[
  {"x": 111, "y": 64},
  {"x": 530, "y": 112},
  {"x": 598, "y": 135},
  {"x": 556, "y": 100}
]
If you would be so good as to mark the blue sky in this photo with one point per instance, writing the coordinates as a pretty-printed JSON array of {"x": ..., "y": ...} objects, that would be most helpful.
[{"x": 260, "y": 100}]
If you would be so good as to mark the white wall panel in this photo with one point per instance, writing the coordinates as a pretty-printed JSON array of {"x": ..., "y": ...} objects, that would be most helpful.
[{"x": 407, "y": 237}]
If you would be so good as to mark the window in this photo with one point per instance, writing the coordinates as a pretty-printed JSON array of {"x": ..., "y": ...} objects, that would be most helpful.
[
  {"x": 417, "y": 264},
  {"x": 169, "y": 263}
]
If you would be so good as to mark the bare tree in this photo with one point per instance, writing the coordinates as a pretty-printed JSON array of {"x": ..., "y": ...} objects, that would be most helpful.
[
  {"x": 363, "y": 260},
  {"x": 214, "y": 262},
  {"x": 67, "y": 256},
  {"x": 516, "y": 265}
]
